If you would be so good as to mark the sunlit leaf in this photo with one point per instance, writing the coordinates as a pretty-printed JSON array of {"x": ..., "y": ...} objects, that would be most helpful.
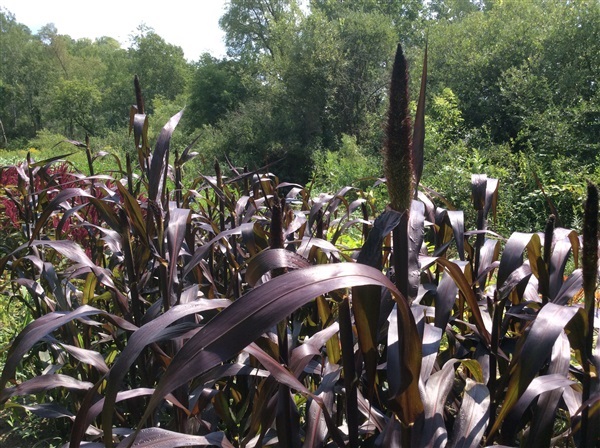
[
  {"x": 268, "y": 260},
  {"x": 43, "y": 383},
  {"x": 473, "y": 416},
  {"x": 160, "y": 159},
  {"x": 161, "y": 438}
]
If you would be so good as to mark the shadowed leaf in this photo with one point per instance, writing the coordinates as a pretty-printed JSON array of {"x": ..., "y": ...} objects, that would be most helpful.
[
  {"x": 203, "y": 250},
  {"x": 465, "y": 288},
  {"x": 435, "y": 391},
  {"x": 558, "y": 262},
  {"x": 544, "y": 412},
  {"x": 316, "y": 430},
  {"x": 538, "y": 386},
  {"x": 284, "y": 376},
  {"x": 404, "y": 366},
  {"x": 145, "y": 335},
  {"x": 81, "y": 425},
  {"x": 44, "y": 410},
  {"x": 366, "y": 299},
  {"x": 311, "y": 347},
  {"x": 445, "y": 297},
  {"x": 570, "y": 288}
]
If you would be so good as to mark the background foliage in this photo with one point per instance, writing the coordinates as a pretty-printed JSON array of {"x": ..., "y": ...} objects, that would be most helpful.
[{"x": 512, "y": 89}]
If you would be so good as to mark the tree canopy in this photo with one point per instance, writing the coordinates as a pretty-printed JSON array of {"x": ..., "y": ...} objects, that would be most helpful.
[{"x": 508, "y": 78}]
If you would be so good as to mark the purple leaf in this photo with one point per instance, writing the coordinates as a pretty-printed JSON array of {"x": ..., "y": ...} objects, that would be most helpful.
[
  {"x": 268, "y": 260},
  {"x": 161, "y": 438},
  {"x": 90, "y": 357},
  {"x": 60, "y": 198},
  {"x": 512, "y": 256},
  {"x": 42, "y": 383},
  {"x": 536, "y": 349},
  {"x": 145, "y": 335},
  {"x": 178, "y": 219},
  {"x": 538, "y": 386},
  {"x": 160, "y": 158},
  {"x": 473, "y": 416},
  {"x": 254, "y": 313},
  {"x": 38, "y": 329}
]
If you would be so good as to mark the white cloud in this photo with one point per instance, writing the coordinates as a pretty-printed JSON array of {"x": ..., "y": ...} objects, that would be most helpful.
[{"x": 192, "y": 25}]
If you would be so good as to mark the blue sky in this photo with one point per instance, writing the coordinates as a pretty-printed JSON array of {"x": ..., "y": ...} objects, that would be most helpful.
[{"x": 191, "y": 24}]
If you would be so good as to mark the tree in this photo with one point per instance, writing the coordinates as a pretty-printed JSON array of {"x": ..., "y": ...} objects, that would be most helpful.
[
  {"x": 367, "y": 43},
  {"x": 115, "y": 81},
  {"x": 525, "y": 71},
  {"x": 217, "y": 86},
  {"x": 322, "y": 73},
  {"x": 303, "y": 93},
  {"x": 405, "y": 15},
  {"x": 454, "y": 9},
  {"x": 257, "y": 27},
  {"x": 161, "y": 67},
  {"x": 470, "y": 57},
  {"x": 75, "y": 103},
  {"x": 25, "y": 74},
  {"x": 525, "y": 79}
]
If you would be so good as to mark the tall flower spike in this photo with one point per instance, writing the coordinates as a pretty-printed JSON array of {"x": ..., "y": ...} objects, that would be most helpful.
[{"x": 397, "y": 150}]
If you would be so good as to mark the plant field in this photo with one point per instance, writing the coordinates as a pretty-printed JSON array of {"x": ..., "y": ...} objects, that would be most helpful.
[{"x": 239, "y": 310}]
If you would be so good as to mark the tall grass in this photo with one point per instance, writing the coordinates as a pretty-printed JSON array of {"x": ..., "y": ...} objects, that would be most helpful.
[{"x": 225, "y": 313}]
